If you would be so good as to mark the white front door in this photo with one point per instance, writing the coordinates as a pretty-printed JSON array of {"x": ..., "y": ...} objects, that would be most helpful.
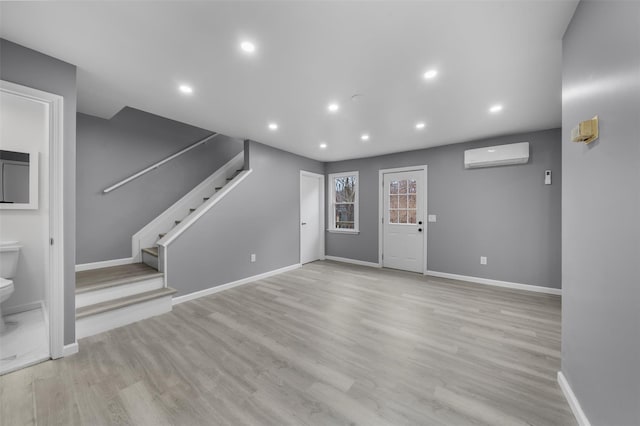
[
  {"x": 311, "y": 217},
  {"x": 403, "y": 221}
]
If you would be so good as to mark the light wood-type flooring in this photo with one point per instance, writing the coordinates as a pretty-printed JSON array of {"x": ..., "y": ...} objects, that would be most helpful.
[{"x": 327, "y": 344}]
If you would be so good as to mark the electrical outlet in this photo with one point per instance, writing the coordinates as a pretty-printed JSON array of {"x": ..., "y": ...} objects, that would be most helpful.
[
  {"x": 483, "y": 260},
  {"x": 253, "y": 257}
]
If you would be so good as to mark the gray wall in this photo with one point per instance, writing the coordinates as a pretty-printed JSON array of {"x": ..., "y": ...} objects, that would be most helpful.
[
  {"x": 33, "y": 69},
  {"x": 261, "y": 216},
  {"x": 111, "y": 150},
  {"x": 505, "y": 213},
  {"x": 601, "y": 212}
]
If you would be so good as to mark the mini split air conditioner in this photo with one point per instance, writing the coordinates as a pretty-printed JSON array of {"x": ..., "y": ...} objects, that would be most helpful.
[{"x": 500, "y": 155}]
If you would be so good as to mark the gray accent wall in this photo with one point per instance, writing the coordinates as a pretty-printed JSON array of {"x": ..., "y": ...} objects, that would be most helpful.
[
  {"x": 110, "y": 151},
  {"x": 29, "y": 68},
  {"x": 261, "y": 215},
  {"x": 505, "y": 213},
  {"x": 601, "y": 212}
]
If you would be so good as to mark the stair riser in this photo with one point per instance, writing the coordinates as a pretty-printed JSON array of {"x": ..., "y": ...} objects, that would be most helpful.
[
  {"x": 150, "y": 260},
  {"x": 116, "y": 292},
  {"x": 106, "y": 321}
]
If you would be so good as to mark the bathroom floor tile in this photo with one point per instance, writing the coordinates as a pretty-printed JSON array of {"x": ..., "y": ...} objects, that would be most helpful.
[{"x": 25, "y": 344}]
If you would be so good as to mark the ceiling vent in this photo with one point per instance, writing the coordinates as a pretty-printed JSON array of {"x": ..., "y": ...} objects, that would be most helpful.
[{"x": 500, "y": 155}]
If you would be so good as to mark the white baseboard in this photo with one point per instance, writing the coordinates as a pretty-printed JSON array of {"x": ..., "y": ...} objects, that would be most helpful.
[
  {"x": 353, "y": 261},
  {"x": 572, "y": 400},
  {"x": 487, "y": 281},
  {"x": 227, "y": 286},
  {"x": 70, "y": 349},
  {"x": 104, "y": 264},
  {"x": 11, "y": 310}
]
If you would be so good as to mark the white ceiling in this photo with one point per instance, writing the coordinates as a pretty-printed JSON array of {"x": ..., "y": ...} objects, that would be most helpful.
[{"x": 308, "y": 55}]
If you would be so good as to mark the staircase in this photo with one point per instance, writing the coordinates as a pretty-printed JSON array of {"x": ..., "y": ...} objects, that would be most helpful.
[
  {"x": 150, "y": 255},
  {"x": 111, "y": 297}
]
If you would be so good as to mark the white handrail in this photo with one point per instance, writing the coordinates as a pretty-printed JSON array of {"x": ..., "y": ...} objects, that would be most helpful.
[{"x": 159, "y": 163}]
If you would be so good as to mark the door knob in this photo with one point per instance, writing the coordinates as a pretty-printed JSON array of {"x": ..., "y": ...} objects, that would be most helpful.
[
  {"x": 419, "y": 229},
  {"x": 304, "y": 223}
]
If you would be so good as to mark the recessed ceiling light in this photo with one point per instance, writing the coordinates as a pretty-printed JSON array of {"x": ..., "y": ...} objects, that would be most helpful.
[
  {"x": 420, "y": 125},
  {"x": 495, "y": 108},
  {"x": 323, "y": 145},
  {"x": 248, "y": 47},
  {"x": 273, "y": 126},
  {"x": 333, "y": 107},
  {"x": 491, "y": 150},
  {"x": 186, "y": 89},
  {"x": 430, "y": 74},
  {"x": 364, "y": 137}
]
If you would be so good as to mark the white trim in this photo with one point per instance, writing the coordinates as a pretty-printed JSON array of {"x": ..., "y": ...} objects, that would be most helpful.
[
  {"x": 104, "y": 264},
  {"x": 574, "y": 404},
  {"x": 202, "y": 210},
  {"x": 34, "y": 174},
  {"x": 353, "y": 261},
  {"x": 227, "y": 286},
  {"x": 165, "y": 221},
  {"x": 496, "y": 283},
  {"x": 425, "y": 213},
  {"x": 322, "y": 216},
  {"x": 70, "y": 349},
  {"x": 331, "y": 223},
  {"x": 56, "y": 208},
  {"x": 11, "y": 310}
]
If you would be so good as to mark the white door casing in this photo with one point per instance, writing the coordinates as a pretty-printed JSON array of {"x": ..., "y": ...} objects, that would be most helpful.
[
  {"x": 311, "y": 217},
  {"x": 54, "y": 190},
  {"x": 403, "y": 224}
]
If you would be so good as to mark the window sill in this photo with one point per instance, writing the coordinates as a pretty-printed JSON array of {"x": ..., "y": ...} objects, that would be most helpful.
[{"x": 343, "y": 231}]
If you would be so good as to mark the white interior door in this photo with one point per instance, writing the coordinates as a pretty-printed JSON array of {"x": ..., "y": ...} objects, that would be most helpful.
[
  {"x": 403, "y": 221},
  {"x": 311, "y": 217}
]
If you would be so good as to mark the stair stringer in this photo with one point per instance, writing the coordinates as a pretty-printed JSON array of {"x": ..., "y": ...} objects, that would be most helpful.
[{"x": 148, "y": 235}]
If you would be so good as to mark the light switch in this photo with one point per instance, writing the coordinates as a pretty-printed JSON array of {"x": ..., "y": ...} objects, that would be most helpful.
[{"x": 431, "y": 218}]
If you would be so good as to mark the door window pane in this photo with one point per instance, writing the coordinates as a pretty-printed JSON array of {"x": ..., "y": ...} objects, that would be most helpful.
[
  {"x": 411, "y": 216},
  {"x": 393, "y": 216},
  {"x": 412, "y": 186},
  {"x": 393, "y": 187},
  {"x": 402, "y": 216},
  {"x": 402, "y": 201},
  {"x": 402, "y": 187},
  {"x": 411, "y": 201},
  {"x": 393, "y": 201}
]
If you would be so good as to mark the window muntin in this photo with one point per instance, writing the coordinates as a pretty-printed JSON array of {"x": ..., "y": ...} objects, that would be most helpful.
[{"x": 402, "y": 201}]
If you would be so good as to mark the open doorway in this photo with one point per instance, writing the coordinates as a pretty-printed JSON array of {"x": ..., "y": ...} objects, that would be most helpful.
[{"x": 31, "y": 249}]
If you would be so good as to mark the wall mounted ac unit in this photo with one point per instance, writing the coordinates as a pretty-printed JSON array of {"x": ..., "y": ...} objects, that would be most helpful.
[{"x": 500, "y": 155}]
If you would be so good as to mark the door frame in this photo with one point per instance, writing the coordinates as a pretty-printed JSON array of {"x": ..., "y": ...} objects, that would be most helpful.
[
  {"x": 55, "y": 282},
  {"x": 381, "y": 174},
  {"x": 322, "y": 215}
]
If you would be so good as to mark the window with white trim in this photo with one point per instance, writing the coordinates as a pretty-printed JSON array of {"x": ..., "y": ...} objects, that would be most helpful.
[{"x": 343, "y": 202}]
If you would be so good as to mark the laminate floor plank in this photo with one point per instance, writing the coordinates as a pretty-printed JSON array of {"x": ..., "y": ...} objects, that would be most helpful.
[{"x": 326, "y": 344}]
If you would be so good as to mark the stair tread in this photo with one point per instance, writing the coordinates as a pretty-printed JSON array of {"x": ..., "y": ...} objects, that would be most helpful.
[
  {"x": 123, "y": 302},
  {"x": 112, "y": 276},
  {"x": 153, "y": 251}
]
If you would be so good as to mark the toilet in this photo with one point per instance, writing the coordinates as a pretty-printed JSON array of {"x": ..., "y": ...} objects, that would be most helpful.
[{"x": 9, "y": 254}]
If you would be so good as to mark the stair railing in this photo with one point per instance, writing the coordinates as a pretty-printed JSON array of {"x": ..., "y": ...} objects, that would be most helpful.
[{"x": 159, "y": 163}]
